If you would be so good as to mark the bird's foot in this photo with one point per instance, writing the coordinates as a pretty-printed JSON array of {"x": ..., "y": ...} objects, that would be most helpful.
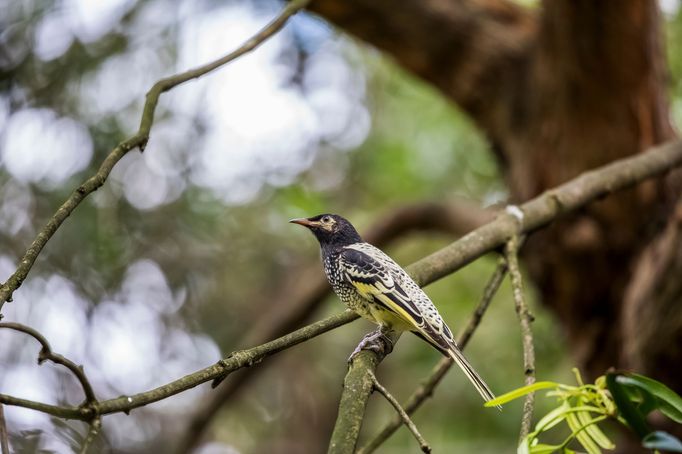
[{"x": 376, "y": 341}]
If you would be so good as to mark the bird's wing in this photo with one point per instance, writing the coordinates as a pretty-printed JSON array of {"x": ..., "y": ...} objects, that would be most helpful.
[{"x": 376, "y": 276}]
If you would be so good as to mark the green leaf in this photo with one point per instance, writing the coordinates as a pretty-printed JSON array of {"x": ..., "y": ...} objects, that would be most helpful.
[
  {"x": 663, "y": 441},
  {"x": 519, "y": 392},
  {"x": 552, "y": 418},
  {"x": 626, "y": 407},
  {"x": 670, "y": 401},
  {"x": 594, "y": 431},
  {"x": 578, "y": 431}
]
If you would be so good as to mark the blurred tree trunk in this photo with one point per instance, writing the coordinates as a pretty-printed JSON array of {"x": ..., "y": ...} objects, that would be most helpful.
[{"x": 559, "y": 90}]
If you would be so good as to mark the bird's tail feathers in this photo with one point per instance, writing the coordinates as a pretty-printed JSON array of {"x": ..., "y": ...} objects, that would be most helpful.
[{"x": 471, "y": 374}]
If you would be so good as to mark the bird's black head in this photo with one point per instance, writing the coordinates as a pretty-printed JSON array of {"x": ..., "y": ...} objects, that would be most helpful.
[{"x": 330, "y": 230}]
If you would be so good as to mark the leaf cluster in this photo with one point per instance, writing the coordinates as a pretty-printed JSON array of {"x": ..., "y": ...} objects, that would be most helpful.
[{"x": 627, "y": 398}]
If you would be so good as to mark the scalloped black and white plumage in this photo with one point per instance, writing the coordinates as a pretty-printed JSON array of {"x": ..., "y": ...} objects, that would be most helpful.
[{"x": 372, "y": 284}]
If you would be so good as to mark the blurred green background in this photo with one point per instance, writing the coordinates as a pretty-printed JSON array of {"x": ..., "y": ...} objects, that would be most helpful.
[{"x": 166, "y": 268}]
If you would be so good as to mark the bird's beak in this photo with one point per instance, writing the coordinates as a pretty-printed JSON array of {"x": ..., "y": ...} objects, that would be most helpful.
[{"x": 304, "y": 222}]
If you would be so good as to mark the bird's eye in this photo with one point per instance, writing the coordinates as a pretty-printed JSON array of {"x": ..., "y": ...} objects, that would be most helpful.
[{"x": 326, "y": 219}]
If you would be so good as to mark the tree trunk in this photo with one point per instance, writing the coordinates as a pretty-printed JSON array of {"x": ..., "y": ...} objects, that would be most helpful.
[{"x": 559, "y": 90}]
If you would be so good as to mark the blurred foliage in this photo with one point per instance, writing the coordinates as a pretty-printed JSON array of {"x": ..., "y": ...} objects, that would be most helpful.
[{"x": 142, "y": 288}]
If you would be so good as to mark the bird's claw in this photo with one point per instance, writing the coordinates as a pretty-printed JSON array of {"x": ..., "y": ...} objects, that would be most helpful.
[{"x": 376, "y": 341}]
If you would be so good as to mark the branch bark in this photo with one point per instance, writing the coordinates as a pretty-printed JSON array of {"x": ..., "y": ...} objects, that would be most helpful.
[{"x": 139, "y": 140}]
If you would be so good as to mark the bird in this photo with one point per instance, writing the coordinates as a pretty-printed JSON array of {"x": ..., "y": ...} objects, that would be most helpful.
[{"x": 374, "y": 286}]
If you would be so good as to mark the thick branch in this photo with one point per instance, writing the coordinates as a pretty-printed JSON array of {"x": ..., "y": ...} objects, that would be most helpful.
[
  {"x": 357, "y": 386},
  {"x": 540, "y": 211},
  {"x": 139, "y": 140}
]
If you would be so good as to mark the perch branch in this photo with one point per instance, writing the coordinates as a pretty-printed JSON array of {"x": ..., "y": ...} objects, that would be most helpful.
[
  {"x": 357, "y": 386},
  {"x": 139, "y": 140},
  {"x": 525, "y": 320},
  {"x": 427, "y": 386},
  {"x": 402, "y": 414}
]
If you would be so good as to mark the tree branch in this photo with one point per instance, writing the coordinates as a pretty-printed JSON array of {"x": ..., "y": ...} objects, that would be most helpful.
[
  {"x": 139, "y": 140},
  {"x": 427, "y": 386},
  {"x": 357, "y": 386},
  {"x": 525, "y": 319},
  {"x": 533, "y": 214},
  {"x": 403, "y": 416},
  {"x": 540, "y": 211},
  {"x": 237, "y": 360}
]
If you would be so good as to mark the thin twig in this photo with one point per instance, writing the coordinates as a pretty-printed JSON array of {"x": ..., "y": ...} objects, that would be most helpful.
[
  {"x": 46, "y": 354},
  {"x": 237, "y": 360},
  {"x": 139, "y": 140},
  {"x": 4, "y": 435},
  {"x": 402, "y": 414},
  {"x": 93, "y": 430},
  {"x": 426, "y": 387},
  {"x": 525, "y": 320}
]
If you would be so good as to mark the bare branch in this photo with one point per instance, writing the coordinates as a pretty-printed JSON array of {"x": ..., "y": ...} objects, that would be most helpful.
[
  {"x": 237, "y": 360},
  {"x": 403, "y": 416},
  {"x": 425, "y": 389},
  {"x": 541, "y": 210},
  {"x": 525, "y": 319},
  {"x": 46, "y": 354},
  {"x": 4, "y": 435},
  {"x": 139, "y": 140}
]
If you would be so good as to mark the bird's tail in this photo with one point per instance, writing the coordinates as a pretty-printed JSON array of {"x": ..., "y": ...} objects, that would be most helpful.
[{"x": 473, "y": 376}]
